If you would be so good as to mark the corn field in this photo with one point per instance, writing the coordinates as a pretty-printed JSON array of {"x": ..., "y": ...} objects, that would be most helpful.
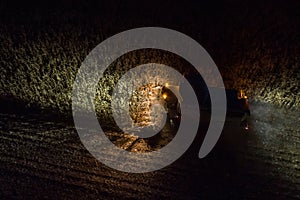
[{"x": 39, "y": 63}]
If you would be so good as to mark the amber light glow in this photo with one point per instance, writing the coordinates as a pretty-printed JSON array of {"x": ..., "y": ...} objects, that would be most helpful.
[
  {"x": 165, "y": 95},
  {"x": 242, "y": 95}
]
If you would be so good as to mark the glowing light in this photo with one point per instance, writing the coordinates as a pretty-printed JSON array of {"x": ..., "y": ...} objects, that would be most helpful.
[
  {"x": 165, "y": 95},
  {"x": 167, "y": 84},
  {"x": 242, "y": 95}
]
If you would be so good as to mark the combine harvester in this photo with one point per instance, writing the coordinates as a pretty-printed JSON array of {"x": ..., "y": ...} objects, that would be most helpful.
[{"x": 237, "y": 101}]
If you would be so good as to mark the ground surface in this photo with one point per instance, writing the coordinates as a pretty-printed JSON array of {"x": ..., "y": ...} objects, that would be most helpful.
[{"x": 42, "y": 158}]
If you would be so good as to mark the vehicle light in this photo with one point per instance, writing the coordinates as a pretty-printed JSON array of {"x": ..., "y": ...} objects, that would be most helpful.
[{"x": 165, "y": 95}]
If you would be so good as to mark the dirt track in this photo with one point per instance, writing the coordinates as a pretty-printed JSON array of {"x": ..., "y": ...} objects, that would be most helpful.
[{"x": 45, "y": 159}]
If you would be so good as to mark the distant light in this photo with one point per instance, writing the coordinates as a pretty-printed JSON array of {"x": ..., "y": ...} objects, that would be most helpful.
[
  {"x": 167, "y": 84},
  {"x": 165, "y": 95},
  {"x": 242, "y": 95}
]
